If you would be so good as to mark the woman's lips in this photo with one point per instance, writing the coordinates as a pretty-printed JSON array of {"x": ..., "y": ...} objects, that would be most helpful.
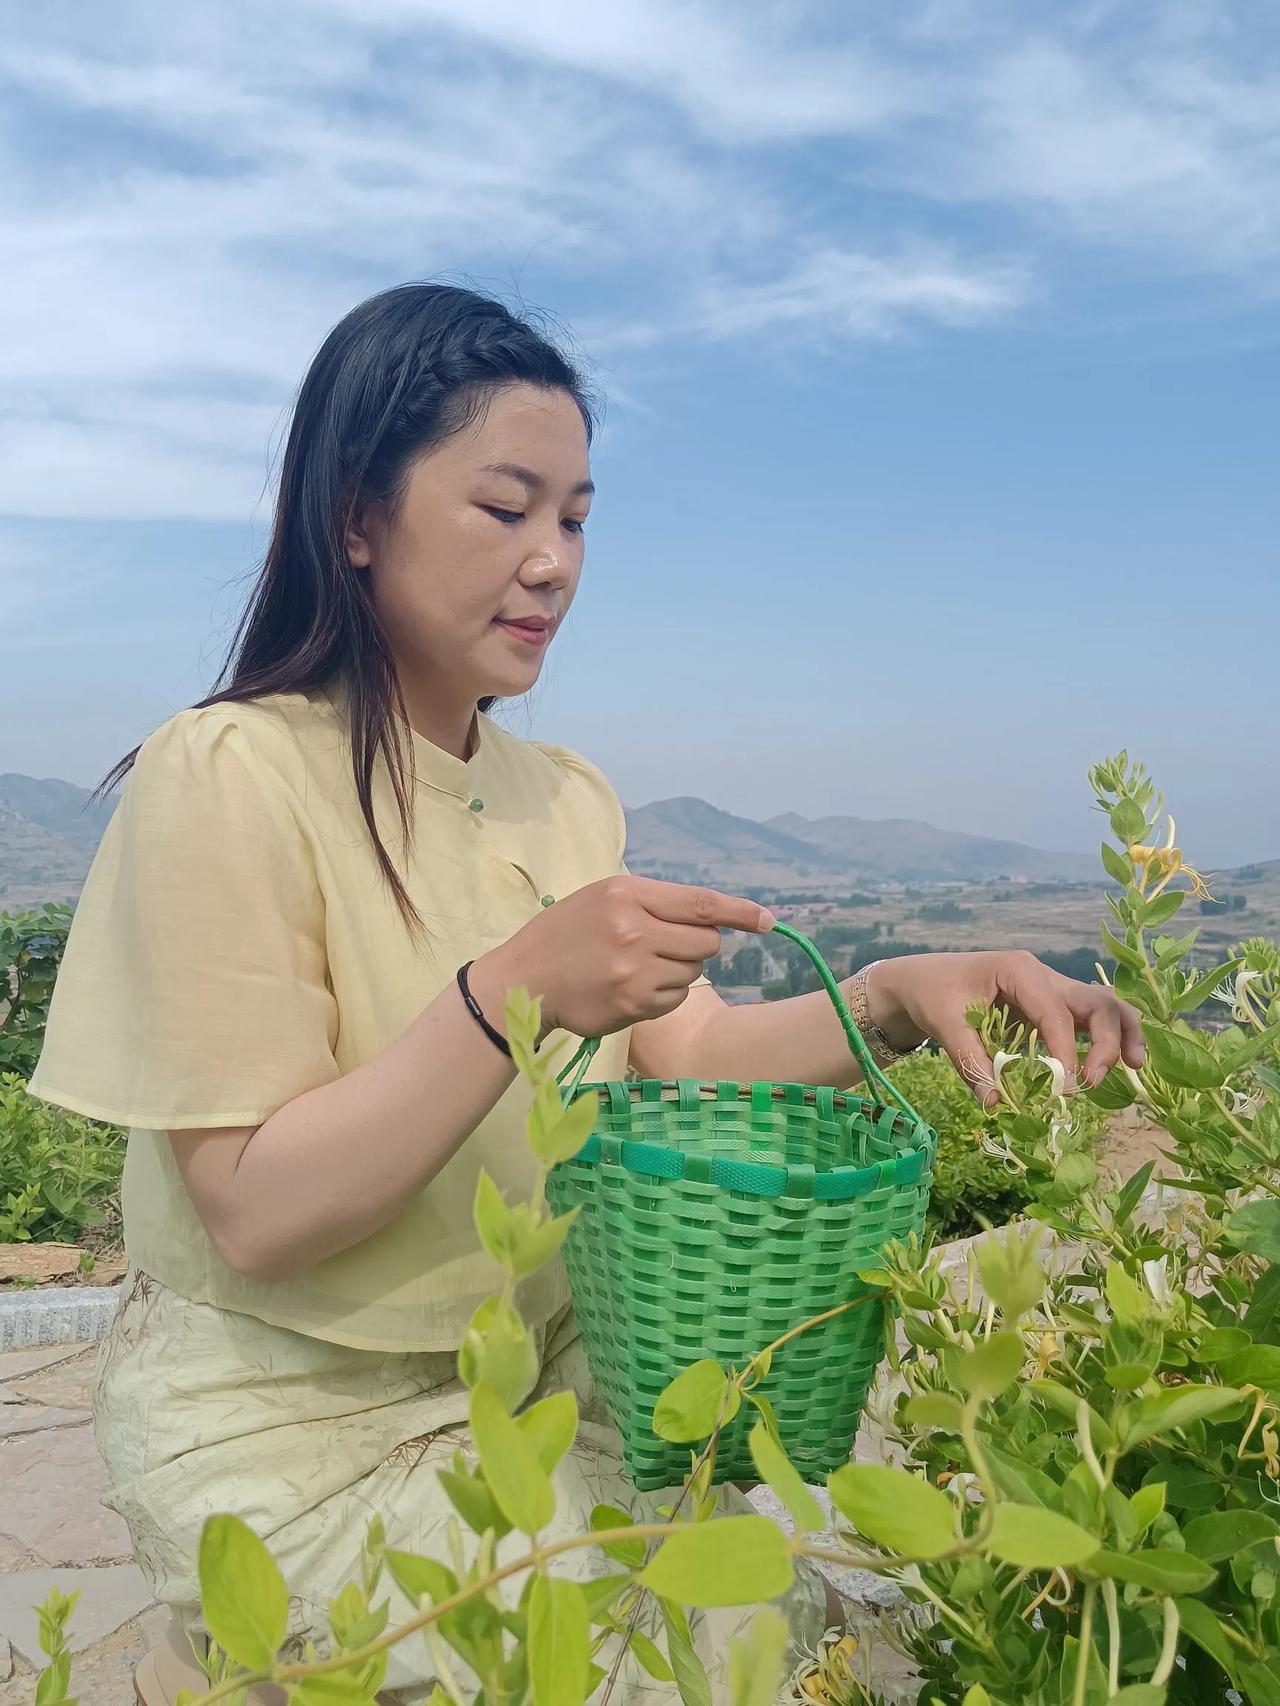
[{"x": 531, "y": 633}]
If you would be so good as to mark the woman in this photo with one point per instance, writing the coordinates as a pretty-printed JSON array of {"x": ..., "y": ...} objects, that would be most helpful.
[{"x": 262, "y": 978}]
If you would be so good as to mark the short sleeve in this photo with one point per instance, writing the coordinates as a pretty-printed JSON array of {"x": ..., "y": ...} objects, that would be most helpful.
[{"x": 194, "y": 989}]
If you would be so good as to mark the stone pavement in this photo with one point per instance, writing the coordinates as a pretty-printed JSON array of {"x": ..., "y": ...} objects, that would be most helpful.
[{"x": 54, "y": 1532}]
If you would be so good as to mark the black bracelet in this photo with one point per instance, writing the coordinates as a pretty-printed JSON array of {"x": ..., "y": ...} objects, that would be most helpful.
[{"x": 473, "y": 1007}]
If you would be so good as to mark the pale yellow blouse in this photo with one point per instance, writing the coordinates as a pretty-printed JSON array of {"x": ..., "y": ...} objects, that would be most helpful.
[{"x": 235, "y": 945}]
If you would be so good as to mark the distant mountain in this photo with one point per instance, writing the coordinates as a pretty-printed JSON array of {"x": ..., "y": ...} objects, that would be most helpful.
[
  {"x": 48, "y": 835},
  {"x": 904, "y": 850},
  {"x": 688, "y": 840}
]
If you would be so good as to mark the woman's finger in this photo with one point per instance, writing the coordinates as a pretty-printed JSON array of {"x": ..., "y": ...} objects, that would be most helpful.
[
  {"x": 1042, "y": 1006},
  {"x": 970, "y": 1059},
  {"x": 689, "y": 943},
  {"x": 1099, "y": 1015}
]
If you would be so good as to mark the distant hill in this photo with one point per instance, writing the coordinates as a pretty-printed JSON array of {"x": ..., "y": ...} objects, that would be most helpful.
[
  {"x": 904, "y": 850},
  {"x": 688, "y": 840},
  {"x": 48, "y": 835}
]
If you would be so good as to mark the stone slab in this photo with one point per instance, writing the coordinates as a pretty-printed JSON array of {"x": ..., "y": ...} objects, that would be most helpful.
[
  {"x": 17, "y": 1365},
  {"x": 53, "y": 1485},
  {"x": 68, "y": 1383},
  {"x": 109, "y": 1596},
  {"x": 30, "y": 1418},
  {"x": 57, "y": 1315}
]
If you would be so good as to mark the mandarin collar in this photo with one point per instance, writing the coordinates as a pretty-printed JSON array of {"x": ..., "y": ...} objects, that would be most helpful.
[
  {"x": 436, "y": 768},
  {"x": 433, "y": 766}
]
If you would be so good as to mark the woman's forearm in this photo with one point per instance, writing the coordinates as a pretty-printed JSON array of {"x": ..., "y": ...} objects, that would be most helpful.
[
  {"x": 339, "y": 1162},
  {"x": 796, "y": 1041}
]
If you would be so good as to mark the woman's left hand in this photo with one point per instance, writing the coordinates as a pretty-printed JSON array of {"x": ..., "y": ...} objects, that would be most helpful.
[{"x": 927, "y": 995}]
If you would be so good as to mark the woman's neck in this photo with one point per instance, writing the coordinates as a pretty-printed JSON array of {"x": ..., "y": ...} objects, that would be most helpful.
[{"x": 448, "y": 726}]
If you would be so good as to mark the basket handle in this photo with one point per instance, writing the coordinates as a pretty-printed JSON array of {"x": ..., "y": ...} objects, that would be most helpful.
[{"x": 884, "y": 1091}]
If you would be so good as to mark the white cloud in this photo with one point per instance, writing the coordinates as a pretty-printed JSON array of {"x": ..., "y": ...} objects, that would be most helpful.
[{"x": 191, "y": 196}]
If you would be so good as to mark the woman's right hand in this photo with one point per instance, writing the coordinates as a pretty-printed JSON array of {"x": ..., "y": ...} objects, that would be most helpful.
[{"x": 613, "y": 954}]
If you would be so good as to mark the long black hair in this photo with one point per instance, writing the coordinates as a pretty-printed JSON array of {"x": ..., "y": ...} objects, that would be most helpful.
[{"x": 399, "y": 374}]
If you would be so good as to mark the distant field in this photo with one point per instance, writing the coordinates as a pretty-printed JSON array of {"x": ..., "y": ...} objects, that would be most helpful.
[{"x": 1042, "y": 918}]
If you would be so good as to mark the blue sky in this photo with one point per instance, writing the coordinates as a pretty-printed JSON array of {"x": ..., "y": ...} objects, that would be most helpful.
[{"x": 941, "y": 343}]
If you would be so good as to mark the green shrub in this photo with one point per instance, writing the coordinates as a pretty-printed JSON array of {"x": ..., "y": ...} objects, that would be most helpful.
[
  {"x": 31, "y": 945},
  {"x": 59, "y": 1174},
  {"x": 969, "y": 1184}
]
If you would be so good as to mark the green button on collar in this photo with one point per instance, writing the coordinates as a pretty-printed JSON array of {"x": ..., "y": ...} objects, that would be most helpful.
[
  {"x": 477, "y": 805},
  {"x": 548, "y": 900}
]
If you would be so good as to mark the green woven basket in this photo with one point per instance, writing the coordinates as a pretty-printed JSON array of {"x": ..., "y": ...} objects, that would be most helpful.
[{"x": 714, "y": 1217}]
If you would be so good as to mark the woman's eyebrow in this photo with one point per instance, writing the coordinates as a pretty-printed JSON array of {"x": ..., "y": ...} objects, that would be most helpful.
[{"x": 533, "y": 482}]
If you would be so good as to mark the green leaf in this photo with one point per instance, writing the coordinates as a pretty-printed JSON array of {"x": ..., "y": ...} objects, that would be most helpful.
[
  {"x": 992, "y": 1366},
  {"x": 1121, "y": 951},
  {"x": 1010, "y": 1270},
  {"x": 498, "y": 1349},
  {"x": 976, "y": 1696},
  {"x": 732, "y": 1560},
  {"x": 1074, "y": 1174},
  {"x": 1066, "y": 1404},
  {"x": 242, "y": 1593},
  {"x": 1181, "y": 1060},
  {"x": 1160, "y": 1570},
  {"x": 1260, "y": 1682},
  {"x": 1114, "y": 1092},
  {"x": 1258, "y": 1366},
  {"x": 1160, "y": 910},
  {"x": 415, "y": 1576},
  {"x": 1140, "y": 1694},
  {"x": 1176, "y": 1408},
  {"x": 1198, "y": 992},
  {"x": 533, "y": 1246},
  {"x": 650, "y": 1657},
  {"x": 1129, "y": 1304},
  {"x": 1256, "y": 1228},
  {"x": 755, "y": 1660},
  {"x": 776, "y": 1469},
  {"x": 603, "y": 1592},
  {"x": 493, "y": 1219},
  {"x": 691, "y": 1677},
  {"x": 550, "y": 1426},
  {"x": 895, "y": 1509},
  {"x": 511, "y": 1467},
  {"x": 628, "y": 1552},
  {"x": 1218, "y": 1535},
  {"x": 1128, "y": 822},
  {"x": 934, "y": 1410},
  {"x": 559, "y": 1642},
  {"x": 1116, "y": 865},
  {"x": 690, "y": 1407},
  {"x": 1219, "y": 1344},
  {"x": 1203, "y": 1627},
  {"x": 557, "y": 1133},
  {"x": 1146, "y": 1505},
  {"x": 470, "y": 1496},
  {"x": 1038, "y": 1539}
]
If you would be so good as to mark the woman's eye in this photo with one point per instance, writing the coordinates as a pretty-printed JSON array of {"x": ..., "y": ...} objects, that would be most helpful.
[
  {"x": 574, "y": 526},
  {"x": 507, "y": 515}
]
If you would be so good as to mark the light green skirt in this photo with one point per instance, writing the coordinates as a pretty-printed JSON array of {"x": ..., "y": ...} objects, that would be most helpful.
[{"x": 200, "y": 1410}]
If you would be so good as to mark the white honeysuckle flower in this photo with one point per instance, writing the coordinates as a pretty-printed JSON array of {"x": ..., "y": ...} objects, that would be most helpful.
[
  {"x": 1001, "y": 1060},
  {"x": 1058, "y": 1072},
  {"x": 1234, "y": 992},
  {"x": 1156, "y": 1275},
  {"x": 959, "y": 1484}
]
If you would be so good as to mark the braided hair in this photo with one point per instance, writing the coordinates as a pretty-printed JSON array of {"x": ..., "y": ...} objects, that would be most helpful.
[{"x": 395, "y": 377}]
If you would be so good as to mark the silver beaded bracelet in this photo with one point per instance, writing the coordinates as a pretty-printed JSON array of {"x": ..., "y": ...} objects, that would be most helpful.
[{"x": 882, "y": 1050}]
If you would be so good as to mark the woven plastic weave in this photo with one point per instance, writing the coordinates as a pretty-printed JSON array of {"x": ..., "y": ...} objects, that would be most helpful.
[{"x": 714, "y": 1218}]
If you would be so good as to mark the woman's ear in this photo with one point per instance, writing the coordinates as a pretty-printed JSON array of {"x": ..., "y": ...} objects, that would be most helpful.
[{"x": 357, "y": 542}]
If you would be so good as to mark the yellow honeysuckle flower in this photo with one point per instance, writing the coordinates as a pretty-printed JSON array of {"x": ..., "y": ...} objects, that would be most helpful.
[{"x": 1167, "y": 861}]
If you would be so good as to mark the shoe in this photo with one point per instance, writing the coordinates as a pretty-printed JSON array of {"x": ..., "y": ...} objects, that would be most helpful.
[{"x": 171, "y": 1666}]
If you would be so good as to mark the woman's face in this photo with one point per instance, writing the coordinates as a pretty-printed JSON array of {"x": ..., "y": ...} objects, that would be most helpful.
[{"x": 477, "y": 568}]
